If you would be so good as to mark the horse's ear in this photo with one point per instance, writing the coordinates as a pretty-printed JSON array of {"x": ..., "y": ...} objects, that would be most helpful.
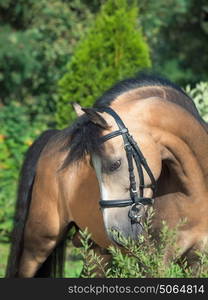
[
  {"x": 77, "y": 108},
  {"x": 96, "y": 117}
]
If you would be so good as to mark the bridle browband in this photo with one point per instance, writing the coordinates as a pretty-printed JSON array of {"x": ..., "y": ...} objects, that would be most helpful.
[{"x": 133, "y": 153}]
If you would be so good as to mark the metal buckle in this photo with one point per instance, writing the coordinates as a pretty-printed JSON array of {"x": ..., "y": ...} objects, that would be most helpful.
[
  {"x": 134, "y": 191},
  {"x": 136, "y": 212},
  {"x": 124, "y": 130}
]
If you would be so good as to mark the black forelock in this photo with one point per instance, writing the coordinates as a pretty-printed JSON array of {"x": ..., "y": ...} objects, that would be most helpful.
[{"x": 84, "y": 139}]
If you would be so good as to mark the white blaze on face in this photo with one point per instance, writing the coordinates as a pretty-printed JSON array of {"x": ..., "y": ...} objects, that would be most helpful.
[
  {"x": 103, "y": 191},
  {"x": 97, "y": 166}
]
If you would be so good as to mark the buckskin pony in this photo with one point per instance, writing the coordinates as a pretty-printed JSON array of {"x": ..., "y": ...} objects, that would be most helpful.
[{"x": 143, "y": 144}]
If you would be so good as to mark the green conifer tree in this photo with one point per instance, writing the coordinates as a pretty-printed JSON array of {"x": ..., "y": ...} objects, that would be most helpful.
[{"x": 112, "y": 50}]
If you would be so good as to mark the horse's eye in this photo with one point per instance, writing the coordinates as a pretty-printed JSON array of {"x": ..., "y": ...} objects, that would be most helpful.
[{"x": 114, "y": 166}]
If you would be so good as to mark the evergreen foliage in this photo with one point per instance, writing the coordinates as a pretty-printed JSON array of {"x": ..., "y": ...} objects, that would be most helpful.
[{"x": 113, "y": 49}]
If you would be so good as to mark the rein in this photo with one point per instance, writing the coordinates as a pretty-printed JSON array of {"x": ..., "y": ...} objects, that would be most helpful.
[{"x": 133, "y": 153}]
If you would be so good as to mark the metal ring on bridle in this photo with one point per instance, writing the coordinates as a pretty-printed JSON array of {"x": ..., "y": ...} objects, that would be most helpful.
[{"x": 133, "y": 215}]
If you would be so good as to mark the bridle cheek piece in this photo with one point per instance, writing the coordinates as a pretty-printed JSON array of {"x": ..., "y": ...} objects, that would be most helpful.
[{"x": 137, "y": 201}]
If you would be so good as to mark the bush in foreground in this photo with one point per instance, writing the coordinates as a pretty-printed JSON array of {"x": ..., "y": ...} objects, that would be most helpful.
[{"x": 143, "y": 259}]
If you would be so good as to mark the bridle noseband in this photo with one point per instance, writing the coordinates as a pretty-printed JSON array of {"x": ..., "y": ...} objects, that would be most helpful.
[{"x": 133, "y": 153}]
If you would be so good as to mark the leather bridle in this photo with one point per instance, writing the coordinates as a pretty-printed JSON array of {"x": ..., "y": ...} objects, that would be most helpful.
[{"x": 133, "y": 153}]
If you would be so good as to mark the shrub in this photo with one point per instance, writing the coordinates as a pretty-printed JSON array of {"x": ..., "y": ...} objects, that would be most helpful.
[
  {"x": 200, "y": 96},
  {"x": 142, "y": 259},
  {"x": 16, "y": 135},
  {"x": 112, "y": 50}
]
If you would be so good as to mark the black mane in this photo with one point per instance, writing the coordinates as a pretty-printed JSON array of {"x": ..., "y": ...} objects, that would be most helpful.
[
  {"x": 141, "y": 80},
  {"x": 83, "y": 137}
]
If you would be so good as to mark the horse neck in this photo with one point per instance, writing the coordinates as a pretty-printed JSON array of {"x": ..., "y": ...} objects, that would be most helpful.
[
  {"x": 167, "y": 93},
  {"x": 176, "y": 131}
]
